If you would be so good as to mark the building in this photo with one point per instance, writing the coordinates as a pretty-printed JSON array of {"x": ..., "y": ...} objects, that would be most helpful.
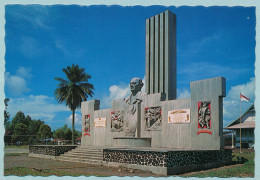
[{"x": 247, "y": 128}]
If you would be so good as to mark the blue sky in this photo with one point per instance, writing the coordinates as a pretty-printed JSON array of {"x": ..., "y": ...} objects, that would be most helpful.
[{"x": 109, "y": 41}]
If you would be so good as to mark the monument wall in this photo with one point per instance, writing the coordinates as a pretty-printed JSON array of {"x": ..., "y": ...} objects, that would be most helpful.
[{"x": 163, "y": 133}]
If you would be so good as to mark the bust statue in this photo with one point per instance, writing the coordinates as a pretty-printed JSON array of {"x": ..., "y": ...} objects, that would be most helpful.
[{"x": 131, "y": 103}]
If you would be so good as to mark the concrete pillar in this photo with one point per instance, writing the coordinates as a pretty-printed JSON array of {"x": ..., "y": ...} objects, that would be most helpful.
[{"x": 160, "y": 72}]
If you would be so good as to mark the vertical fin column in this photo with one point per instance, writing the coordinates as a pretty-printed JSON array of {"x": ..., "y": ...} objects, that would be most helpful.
[{"x": 161, "y": 55}]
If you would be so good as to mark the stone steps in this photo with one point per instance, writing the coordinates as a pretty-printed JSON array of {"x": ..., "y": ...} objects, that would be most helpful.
[
  {"x": 80, "y": 160},
  {"x": 83, "y": 155},
  {"x": 85, "y": 152},
  {"x": 97, "y": 157}
]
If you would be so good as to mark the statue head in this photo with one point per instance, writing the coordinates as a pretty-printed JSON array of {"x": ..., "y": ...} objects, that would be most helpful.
[{"x": 136, "y": 85}]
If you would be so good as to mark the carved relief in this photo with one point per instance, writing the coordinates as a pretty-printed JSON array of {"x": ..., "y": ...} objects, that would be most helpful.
[
  {"x": 87, "y": 125},
  {"x": 117, "y": 121},
  {"x": 204, "y": 117},
  {"x": 153, "y": 118}
]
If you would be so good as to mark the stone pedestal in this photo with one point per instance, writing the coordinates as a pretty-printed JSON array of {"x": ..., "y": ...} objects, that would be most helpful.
[{"x": 131, "y": 142}]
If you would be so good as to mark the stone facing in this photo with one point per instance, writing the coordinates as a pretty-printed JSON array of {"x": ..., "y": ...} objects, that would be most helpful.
[
  {"x": 167, "y": 158},
  {"x": 51, "y": 150}
]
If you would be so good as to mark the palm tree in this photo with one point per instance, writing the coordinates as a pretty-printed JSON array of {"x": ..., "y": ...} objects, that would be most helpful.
[{"x": 74, "y": 89}]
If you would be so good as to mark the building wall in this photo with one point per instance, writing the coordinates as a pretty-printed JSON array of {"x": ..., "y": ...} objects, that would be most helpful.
[{"x": 249, "y": 116}]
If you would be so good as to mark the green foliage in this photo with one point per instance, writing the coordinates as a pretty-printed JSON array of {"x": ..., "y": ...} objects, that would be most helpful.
[
  {"x": 17, "y": 147},
  {"x": 44, "y": 131},
  {"x": 15, "y": 154},
  {"x": 19, "y": 118},
  {"x": 20, "y": 131},
  {"x": 34, "y": 126},
  {"x": 74, "y": 89},
  {"x": 6, "y": 115},
  {"x": 65, "y": 133}
]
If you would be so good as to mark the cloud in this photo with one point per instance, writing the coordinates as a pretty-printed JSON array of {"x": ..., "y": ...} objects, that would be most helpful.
[
  {"x": 17, "y": 84},
  {"x": 183, "y": 94},
  {"x": 77, "y": 121},
  {"x": 197, "y": 47},
  {"x": 30, "y": 47},
  {"x": 231, "y": 104},
  {"x": 71, "y": 51},
  {"x": 117, "y": 92},
  {"x": 36, "y": 15},
  {"x": 38, "y": 107},
  {"x": 24, "y": 72}
]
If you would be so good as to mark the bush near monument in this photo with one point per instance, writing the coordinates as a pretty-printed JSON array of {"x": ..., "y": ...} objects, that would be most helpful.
[
  {"x": 65, "y": 133},
  {"x": 22, "y": 129}
]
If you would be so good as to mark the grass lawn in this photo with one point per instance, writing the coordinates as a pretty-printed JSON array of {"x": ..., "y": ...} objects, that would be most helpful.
[
  {"x": 16, "y": 154},
  {"x": 14, "y": 146},
  {"x": 244, "y": 170}
]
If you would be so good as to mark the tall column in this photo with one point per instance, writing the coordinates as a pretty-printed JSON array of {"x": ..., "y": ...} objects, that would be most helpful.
[{"x": 160, "y": 72}]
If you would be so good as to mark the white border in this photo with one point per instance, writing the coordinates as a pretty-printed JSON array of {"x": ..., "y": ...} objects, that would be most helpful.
[{"x": 176, "y": 3}]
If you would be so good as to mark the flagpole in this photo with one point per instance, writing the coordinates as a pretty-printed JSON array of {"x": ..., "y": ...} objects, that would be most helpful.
[{"x": 240, "y": 125}]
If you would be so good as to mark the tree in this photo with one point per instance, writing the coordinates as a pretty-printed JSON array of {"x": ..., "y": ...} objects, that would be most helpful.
[
  {"x": 6, "y": 115},
  {"x": 18, "y": 118},
  {"x": 74, "y": 89},
  {"x": 34, "y": 127},
  {"x": 20, "y": 131},
  {"x": 44, "y": 131},
  {"x": 65, "y": 133}
]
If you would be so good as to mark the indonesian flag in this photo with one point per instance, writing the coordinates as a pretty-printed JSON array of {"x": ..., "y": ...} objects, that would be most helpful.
[{"x": 243, "y": 98}]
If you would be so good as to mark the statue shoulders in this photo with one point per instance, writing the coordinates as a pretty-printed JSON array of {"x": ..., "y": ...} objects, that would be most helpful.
[
  {"x": 127, "y": 98},
  {"x": 140, "y": 95}
]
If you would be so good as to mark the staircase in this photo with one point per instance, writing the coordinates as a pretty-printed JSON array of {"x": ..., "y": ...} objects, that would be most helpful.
[{"x": 83, "y": 155}]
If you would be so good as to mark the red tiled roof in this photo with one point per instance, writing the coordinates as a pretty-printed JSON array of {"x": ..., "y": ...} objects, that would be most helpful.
[{"x": 246, "y": 124}]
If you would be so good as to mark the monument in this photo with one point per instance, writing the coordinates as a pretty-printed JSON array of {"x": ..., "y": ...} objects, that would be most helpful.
[
  {"x": 154, "y": 130},
  {"x": 133, "y": 103}
]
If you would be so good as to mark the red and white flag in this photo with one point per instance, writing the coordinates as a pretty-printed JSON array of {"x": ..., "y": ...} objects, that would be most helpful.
[{"x": 243, "y": 98}]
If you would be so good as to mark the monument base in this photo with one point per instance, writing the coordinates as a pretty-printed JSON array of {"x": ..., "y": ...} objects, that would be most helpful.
[
  {"x": 131, "y": 142},
  {"x": 170, "y": 162}
]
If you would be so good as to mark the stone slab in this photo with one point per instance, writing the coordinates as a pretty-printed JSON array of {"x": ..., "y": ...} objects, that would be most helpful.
[{"x": 131, "y": 142}]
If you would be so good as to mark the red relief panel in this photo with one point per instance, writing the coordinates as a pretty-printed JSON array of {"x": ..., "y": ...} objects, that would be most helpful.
[
  {"x": 204, "y": 117},
  {"x": 87, "y": 125}
]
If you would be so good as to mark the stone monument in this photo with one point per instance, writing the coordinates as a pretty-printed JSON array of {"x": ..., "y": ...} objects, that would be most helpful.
[{"x": 155, "y": 131}]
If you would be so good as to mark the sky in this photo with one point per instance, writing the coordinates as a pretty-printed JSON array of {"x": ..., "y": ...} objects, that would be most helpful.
[{"x": 109, "y": 42}]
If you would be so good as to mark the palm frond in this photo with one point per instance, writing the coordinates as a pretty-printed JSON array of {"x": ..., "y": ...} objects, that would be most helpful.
[{"x": 75, "y": 88}]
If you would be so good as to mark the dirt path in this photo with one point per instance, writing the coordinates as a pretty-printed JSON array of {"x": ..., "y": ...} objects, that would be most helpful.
[{"x": 79, "y": 168}]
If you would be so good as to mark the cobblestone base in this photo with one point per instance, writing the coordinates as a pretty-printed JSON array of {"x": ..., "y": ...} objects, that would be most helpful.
[
  {"x": 51, "y": 150},
  {"x": 167, "y": 158}
]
